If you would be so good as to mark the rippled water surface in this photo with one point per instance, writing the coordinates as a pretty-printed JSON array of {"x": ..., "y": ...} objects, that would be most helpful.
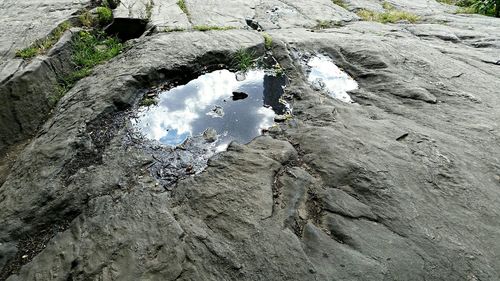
[{"x": 236, "y": 106}]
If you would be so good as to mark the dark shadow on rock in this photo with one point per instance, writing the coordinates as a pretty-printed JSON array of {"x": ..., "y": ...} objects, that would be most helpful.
[{"x": 126, "y": 28}]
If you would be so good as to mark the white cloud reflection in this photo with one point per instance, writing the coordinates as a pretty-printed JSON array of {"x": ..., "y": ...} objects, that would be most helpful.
[
  {"x": 178, "y": 113},
  {"x": 327, "y": 76}
]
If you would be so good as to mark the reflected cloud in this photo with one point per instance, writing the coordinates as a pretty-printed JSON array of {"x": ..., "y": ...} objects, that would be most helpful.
[
  {"x": 325, "y": 75},
  {"x": 188, "y": 110}
]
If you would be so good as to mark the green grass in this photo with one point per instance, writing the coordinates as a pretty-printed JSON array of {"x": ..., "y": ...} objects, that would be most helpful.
[
  {"x": 182, "y": 5},
  {"x": 209, "y": 27},
  {"x": 173, "y": 29},
  {"x": 149, "y": 9},
  {"x": 460, "y": 3},
  {"x": 388, "y": 6},
  {"x": 396, "y": 16},
  {"x": 59, "y": 31},
  {"x": 86, "y": 19},
  {"x": 110, "y": 3},
  {"x": 367, "y": 15},
  {"x": 243, "y": 59},
  {"x": 28, "y": 52},
  {"x": 89, "y": 50},
  {"x": 67, "y": 82},
  {"x": 477, "y": 7},
  {"x": 389, "y": 16},
  {"x": 44, "y": 45},
  {"x": 484, "y": 7},
  {"x": 268, "y": 41},
  {"x": 324, "y": 24},
  {"x": 104, "y": 15},
  {"x": 340, "y": 3},
  {"x": 465, "y": 10},
  {"x": 449, "y": 2},
  {"x": 199, "y": 28}
]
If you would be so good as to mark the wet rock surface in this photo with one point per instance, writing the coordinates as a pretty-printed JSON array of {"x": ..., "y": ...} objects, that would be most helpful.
[{"x": 402, "y": 184}]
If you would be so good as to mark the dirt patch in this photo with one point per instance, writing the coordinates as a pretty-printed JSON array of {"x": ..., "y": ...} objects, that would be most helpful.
[
  {"x": 100, "y": 132},
  {"x": 31, "y": 245},
  {"x": 8, "y": 159}
]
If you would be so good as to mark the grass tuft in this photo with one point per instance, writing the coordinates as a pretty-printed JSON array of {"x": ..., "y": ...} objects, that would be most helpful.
[
  {"x": 466, "y": 10},
  {"x": 86, "y": 19},
  {"x": 484, "y": 7},
  {"x": 182, "y": 5},
  {"x": 110, "y": 3},
  {"x": 268, "y": 41},
  {"x": 90, "y": 49},
  {"x": 388, "y": 6},
  {"x": 389, "y": 16},
  {"x": 104, "y": 15},
  {"x": 209, "y": 27},
  {"x": 243, "y": 60},
  {"x": 67, "y": 82},
  {"x": 340, "y": 3},
  {"x": 324, "y": 24},
  {"x": 149, "y": 9},
  {"x": 395, "y": 16},
  {"x": 28, "y": 52},
  {"x": 449, "y": 2},
  {"x": 199, "y": 28},
  {"x": 44, "y": 45},
  {"x": 173, "y": 29}
]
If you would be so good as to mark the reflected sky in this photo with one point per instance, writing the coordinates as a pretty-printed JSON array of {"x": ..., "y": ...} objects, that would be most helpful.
[
  {"x": 190, "y": 109},
  {"x": 325, "y": 75}
]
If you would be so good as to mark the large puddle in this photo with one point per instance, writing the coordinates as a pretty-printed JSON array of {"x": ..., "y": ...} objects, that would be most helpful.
[
  {"x": 224, "y": 105},
  {"x": 324, "y": 75},
  {"x": 192, "y": 122}
]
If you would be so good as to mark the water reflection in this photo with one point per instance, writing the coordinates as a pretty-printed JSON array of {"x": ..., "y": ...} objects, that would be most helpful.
[
  {"x": 209, "y": 102},
  {"x": 325, "y": 75}
]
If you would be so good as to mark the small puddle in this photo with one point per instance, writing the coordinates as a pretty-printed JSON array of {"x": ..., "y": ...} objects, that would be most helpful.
[
  {"x": 194, "y": 121},
  {"x": 324, "y": 75}
]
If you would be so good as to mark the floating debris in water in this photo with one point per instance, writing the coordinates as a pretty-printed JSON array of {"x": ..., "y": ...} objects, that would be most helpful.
[
  {"x": 216, "y": 112},
  {"x": 239, "y": 96},
  {"x": 324, "y": 75},
  {"x": 210, "y": 135}
]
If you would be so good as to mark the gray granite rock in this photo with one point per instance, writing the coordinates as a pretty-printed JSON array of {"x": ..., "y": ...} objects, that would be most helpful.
[
  {"x": 403, "y": 184},
  {"x": 25, "y": 21}
]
